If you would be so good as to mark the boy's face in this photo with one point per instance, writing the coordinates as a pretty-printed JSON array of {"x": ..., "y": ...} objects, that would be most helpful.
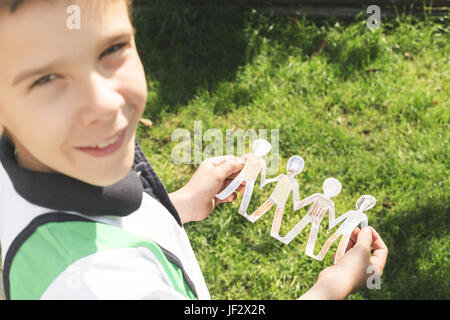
[{"x": 89, "y": 84}]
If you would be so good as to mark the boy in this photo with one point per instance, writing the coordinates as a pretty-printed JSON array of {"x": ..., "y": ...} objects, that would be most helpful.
[{"x": 83, "y": 215}]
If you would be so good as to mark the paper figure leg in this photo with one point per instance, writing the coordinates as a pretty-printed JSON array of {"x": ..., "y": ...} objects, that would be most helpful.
[
  {"x": 327, "y": 245},
  {"x": 230, "y": 188},
  {"x": 260, "y": 211},
  {"x": 341, "y": 248},
  {"x": 296, "y": 230},
  {"x": 275, "y": 232},
  {"x": 312, "y": 241},
  {"x": 246, "y": 198}
]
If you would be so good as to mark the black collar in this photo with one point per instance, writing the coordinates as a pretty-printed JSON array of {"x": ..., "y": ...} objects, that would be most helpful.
[{"x": 60, "y": 192}]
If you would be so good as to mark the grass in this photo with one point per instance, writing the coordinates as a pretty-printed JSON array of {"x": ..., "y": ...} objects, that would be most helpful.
[{"x": 370, "y": 108}]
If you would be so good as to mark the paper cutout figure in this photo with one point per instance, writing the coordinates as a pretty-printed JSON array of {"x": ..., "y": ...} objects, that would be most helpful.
[
  {"x": 253, "y": 165},
  {"x": 279, "y": 196},
  {"x": 321, "y": 203},
  {"x": 352, "y": 220}
]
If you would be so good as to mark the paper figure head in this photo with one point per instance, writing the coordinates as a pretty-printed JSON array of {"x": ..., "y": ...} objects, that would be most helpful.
[
  {"x": 331, "y": 187},
  {"x": 261, "y": 147},
  {"x": 365, "y": 202},
  {"x": 295, "y": 165}
]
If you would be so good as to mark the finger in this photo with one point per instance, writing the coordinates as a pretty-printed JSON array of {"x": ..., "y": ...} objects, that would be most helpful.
[
  {"x": 214, "y": 161},
  {"x": 217, "y": 161},
  {"x": 229, "y": 166},
  {"x": 354, "y": 235},
  {"x": 350, "y": 244},
  {"x": 353, "y": 239},
  {"x": 380, "y": 253},
  {"x": 377, "y": 241},
  {"x": 364, "y": 240}
]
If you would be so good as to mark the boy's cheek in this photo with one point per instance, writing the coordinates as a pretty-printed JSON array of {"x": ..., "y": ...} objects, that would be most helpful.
[{"x": 134, "y": 83}]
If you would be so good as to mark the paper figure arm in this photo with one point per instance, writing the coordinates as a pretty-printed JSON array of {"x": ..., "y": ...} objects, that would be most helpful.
[
  {"x": 364, "y": 221},
  {"x": 263, "y": 174},
  {"x": 266, "y": 181},
  {"x": 338, "y": 220},
  {"x": 331, "y": 215},
  {"x": 304, "y": 202},
  {"x": 295, "y": 193}
]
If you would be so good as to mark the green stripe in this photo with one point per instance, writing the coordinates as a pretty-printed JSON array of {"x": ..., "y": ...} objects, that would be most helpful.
[{"x": 54, "y": 246}]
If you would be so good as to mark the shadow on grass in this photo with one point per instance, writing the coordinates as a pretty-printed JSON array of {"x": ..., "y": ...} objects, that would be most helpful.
[
  {"x": 417, "y": 266},
  {"x": 190, "y": 50},
  {"x": 187, "y": 49}
]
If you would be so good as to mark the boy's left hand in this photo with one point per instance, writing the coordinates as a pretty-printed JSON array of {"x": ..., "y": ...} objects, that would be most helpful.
[
  {"x": 350, "y": 273},
  {"x": 196, "y": 200}
]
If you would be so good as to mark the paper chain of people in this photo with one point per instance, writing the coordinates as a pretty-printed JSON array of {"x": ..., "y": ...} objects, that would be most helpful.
[{"x": 320, "y": 202}]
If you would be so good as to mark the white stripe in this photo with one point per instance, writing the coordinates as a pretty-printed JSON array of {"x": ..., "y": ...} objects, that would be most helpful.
[
  {"x": 127, "y": 273},
  {"x": 15, "y": 212}
]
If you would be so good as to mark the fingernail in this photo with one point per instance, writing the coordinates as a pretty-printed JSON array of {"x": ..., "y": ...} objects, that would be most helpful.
[{"x": 366, "y": 230}]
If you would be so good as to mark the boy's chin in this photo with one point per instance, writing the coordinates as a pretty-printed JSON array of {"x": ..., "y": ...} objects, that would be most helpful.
[
  {"x": 108, "y": 179},
  {"x": 103, "y": 176},
  {"x": 106, "y": 175}
]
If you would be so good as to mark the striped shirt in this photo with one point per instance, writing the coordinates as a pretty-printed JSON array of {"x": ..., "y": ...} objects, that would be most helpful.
[{"x": 64, "y": 239}]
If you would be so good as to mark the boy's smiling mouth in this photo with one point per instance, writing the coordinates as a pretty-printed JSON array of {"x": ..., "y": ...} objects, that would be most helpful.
[{"x": 106, "y": 148}]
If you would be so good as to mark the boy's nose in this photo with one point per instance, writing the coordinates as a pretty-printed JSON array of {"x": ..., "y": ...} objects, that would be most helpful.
[{"x": 100, "y": 100}]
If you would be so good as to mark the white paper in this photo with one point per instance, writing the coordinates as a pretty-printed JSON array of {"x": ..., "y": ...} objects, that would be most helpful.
[
  {"x": 351, "y": 219},
  {"x": 254, "y": 163}
]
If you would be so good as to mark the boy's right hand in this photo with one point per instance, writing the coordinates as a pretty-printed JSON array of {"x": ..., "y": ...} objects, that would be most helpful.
[
  {"x": 351, "y": 272},
  {"x": 196, "y": 200}
]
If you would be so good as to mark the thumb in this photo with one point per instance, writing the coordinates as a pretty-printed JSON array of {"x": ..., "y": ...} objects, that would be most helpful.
[
  {"x": 364, "y": 240},
  {"x": 229, "y": 166}
]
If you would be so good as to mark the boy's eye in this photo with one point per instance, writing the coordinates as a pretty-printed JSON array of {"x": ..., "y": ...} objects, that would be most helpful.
[
  {"x": 112, "y": 49},
  {"x": 44, "y": 80},
  {"x": 51, "y": 77}
]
